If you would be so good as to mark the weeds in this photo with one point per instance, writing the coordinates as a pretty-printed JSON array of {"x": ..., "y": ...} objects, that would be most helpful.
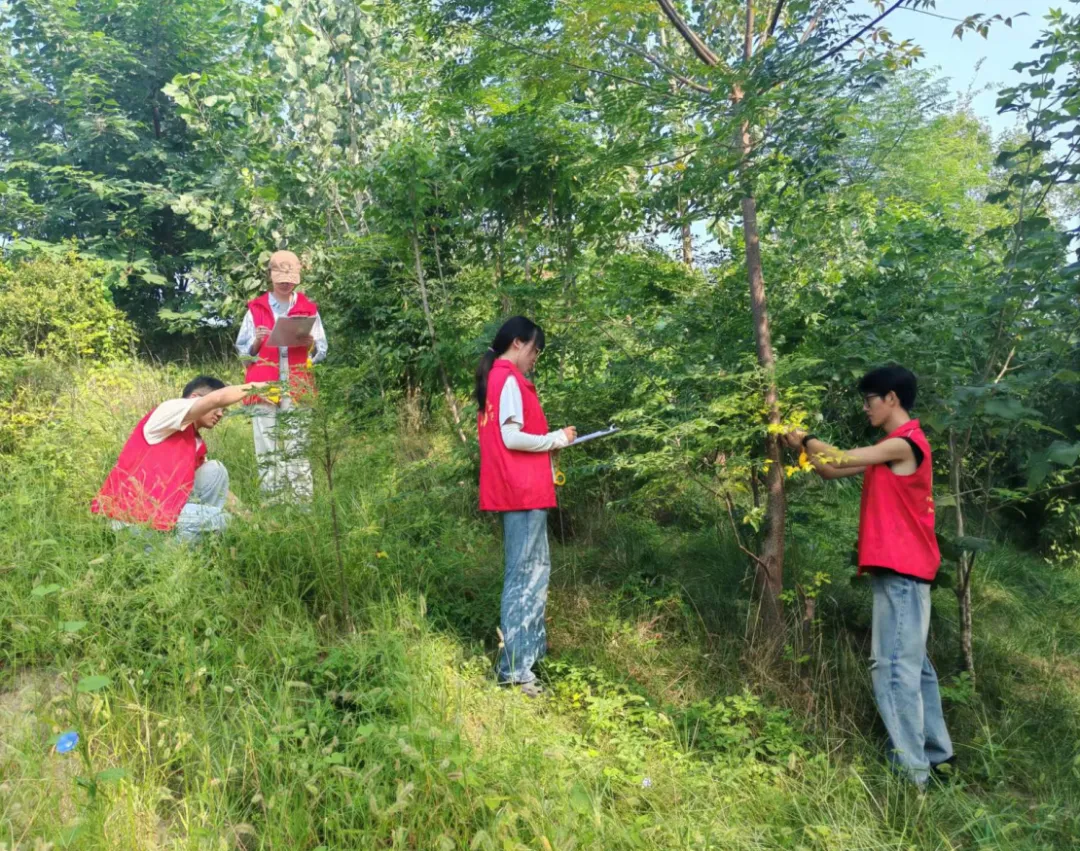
[{"x": 229, "y": 707}]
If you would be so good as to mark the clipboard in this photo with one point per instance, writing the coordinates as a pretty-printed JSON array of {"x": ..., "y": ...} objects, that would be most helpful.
[
  {"x": 289, "y": 329},
  {"x": 594, "y": 435}
]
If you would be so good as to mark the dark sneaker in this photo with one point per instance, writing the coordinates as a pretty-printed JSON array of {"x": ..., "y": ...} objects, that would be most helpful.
[{"x": 944, "y": 772}]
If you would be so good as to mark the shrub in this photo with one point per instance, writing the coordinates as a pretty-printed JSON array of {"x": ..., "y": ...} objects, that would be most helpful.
[{"x": 62, "y": 309}]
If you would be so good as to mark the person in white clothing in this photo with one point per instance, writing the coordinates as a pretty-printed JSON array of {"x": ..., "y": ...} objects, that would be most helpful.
[{"x": 280, "y": 425}]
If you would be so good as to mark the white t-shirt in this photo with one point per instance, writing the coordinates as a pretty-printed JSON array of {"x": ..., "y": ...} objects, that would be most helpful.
[
  {"x": 512, "y": 421},
  {"x": 167, "y": 419}
]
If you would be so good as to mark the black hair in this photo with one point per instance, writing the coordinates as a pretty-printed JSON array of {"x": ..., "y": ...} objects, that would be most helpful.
[
  {"x": 892, "y": 378},
  {"x": 514, "y": 328},
  {"x": 201, "y": 381}
]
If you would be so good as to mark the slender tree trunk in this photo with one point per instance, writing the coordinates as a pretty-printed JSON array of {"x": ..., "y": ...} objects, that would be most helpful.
[
  {"x": 330, "y": 461},
  {"x": 500, "y": 250},
  {"x": 438, "y": 266},
  {"x": 525, "y": 244},
  {"x": 772, "y": 553},
  {"x": 966, "y": 562},
  {"x": 771, "y": 564},
  {"x": 451, "y": 400},
  {"x": 687, "y": 237}
]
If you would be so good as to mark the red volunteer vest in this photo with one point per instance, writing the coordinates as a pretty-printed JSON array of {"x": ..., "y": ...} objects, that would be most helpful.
[
  {"x": 265, "y": 366},
  {"x": 896, "y": 517},
  {"x": 512, "y": 480},
  {"x": 151, "y": 483}
]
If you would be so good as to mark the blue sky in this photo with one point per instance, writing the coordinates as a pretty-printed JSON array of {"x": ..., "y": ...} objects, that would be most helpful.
[{"x": 958, "y": 60}]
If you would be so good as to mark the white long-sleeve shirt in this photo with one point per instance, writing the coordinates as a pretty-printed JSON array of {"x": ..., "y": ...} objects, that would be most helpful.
[{"x": 512, "y": 421}]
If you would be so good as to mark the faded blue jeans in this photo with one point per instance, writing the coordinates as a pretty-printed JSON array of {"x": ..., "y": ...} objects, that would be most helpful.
[
  {"x": 205, "y": 509},
  {"x": 905, "y": 683},
  {"x": 524, "y": 596}
]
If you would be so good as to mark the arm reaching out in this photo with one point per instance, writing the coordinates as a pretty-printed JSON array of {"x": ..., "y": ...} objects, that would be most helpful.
[
  {"x": 833, "y": 463},
  {"x": 222, "y": 398}
]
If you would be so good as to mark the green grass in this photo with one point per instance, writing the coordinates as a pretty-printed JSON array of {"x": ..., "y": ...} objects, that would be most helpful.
[{"x": 246, "y": 714}]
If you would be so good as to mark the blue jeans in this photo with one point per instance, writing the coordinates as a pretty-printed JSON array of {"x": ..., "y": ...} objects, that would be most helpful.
[
  {"x": 524, "y": 597},
  {"x": 205, "y": 509},
  {"x": 905, "y": 683}
]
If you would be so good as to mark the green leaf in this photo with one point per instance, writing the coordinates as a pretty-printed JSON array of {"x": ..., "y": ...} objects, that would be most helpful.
[
  {"x": 971, "y": 544},
  {"x": 1063, "y": 453},
  {"x": 109, "y": 775},
  {"x": 72, "y": 626},
  {"x": 580, "y": 799},
  {"x": 45, "y": 590},
  {"x": 1037, "y": 473},
  {"x": 949, "y": 550},
  {"x": 88, "y": 685}
]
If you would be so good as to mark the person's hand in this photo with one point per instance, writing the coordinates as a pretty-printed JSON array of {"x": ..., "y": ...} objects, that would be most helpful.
[
  {"x": 307, "y": 341},
  {"x": 794, "y": 438},
  {"x": 261, "y": 333},
  {"x": 571, "y": 434}
]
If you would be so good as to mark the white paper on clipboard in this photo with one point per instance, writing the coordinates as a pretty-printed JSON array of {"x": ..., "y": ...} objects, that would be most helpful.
[
  {"x": 587, "y": 437},
  {"x": 289, "y": 329}
]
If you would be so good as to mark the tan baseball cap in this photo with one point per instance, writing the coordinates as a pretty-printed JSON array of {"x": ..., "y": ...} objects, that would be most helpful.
[{"x": 284, "y": 268}]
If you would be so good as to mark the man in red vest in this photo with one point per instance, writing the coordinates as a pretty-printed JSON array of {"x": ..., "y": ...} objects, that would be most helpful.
[
  {"x": 162, "y": 478},
  {"x": 280, "y": 426},
  {"x": 898, "y": 549}
]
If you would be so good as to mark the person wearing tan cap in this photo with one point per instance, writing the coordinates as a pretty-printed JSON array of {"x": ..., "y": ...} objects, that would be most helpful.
[{"x": 280, "y": 426}]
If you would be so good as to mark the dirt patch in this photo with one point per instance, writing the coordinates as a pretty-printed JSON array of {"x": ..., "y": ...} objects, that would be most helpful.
[{"x": 21, "y": 704}]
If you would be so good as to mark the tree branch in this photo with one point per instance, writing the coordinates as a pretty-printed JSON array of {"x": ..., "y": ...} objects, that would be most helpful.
[
  {"x": 810, "y": 27},
  {"x": 692, "y": 38},
  {"x": 774, "y": 18},
  {"x": 698, "y": 87},
  {"x": 829, "y": 54}
]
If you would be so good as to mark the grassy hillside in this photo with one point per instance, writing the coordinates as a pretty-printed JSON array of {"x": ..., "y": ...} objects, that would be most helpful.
[{"x": 240, "y": 709}]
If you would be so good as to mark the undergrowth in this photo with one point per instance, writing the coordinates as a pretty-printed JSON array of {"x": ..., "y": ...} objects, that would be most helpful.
[{"x": 222, "y": 701}]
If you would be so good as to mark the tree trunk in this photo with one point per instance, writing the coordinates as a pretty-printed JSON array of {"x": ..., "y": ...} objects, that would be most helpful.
[
  {"x": 500, "y": 250},
  {"x": 451, "y": 400},
  {"x": 965, "y": 564},
  {"x": 343, "y": 590},
  {"x": 770, "y": 573},
  {"x": 687, "y": 237},
  {"x": 772, "y": 553}
]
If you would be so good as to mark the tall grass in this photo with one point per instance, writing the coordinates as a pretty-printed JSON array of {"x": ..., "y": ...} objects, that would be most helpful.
[{"x": 245, "y": 715}]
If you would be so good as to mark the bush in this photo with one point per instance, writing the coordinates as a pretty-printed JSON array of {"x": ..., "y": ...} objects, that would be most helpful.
[{"x": 62, "y": 309}]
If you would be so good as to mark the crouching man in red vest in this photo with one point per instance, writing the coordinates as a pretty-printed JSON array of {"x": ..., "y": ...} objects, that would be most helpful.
[
  {"x": 162, "y": 478},
  {"x": 898, "y": 549}
]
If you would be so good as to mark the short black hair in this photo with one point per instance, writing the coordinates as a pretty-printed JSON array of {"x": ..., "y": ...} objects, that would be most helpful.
[
  {"x": 892, "y": 378},
  {"x": 201, "y": 381}
]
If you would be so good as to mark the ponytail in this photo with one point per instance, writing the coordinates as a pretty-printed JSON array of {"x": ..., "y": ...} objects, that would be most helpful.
[{"x": 514, "y": 328}]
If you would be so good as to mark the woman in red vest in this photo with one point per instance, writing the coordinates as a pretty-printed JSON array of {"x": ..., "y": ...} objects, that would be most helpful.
[
  {"x": 517, "y": 480},
  {"x": 280, "y": 428},
  {"x": 898, "y": 549},
  {"x": 162, "y": 478}
]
